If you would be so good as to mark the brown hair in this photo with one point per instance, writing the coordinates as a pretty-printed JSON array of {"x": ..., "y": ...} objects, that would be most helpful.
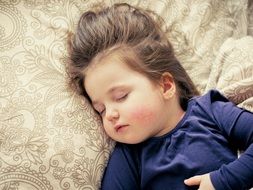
[{"x": 123, "y": 28}]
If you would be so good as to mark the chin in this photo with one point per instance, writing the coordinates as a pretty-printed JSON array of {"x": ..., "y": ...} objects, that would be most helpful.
[{"x": 131, "y": 140}]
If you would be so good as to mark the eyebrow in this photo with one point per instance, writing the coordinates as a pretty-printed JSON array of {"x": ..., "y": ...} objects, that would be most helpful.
[{"x": 111, "y": 90}]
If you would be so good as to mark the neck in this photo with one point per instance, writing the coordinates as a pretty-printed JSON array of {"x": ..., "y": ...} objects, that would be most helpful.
[{"x": 173, "y": 115}]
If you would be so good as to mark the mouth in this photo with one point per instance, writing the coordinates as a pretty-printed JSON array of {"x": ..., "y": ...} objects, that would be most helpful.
[{"x": 119, "y": 128}]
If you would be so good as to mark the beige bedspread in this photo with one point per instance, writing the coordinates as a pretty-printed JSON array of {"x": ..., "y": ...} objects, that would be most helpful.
[{"x": 50, "y": 138}]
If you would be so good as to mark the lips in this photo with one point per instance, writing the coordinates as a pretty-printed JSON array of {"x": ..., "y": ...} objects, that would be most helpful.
[{"x": 119, "y": 128}]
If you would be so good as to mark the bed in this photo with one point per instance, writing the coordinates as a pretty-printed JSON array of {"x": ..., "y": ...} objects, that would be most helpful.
[{"x": 50, "y": 138}]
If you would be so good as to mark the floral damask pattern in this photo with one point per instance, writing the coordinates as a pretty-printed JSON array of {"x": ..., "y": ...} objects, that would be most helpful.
[
  {"x": 50, "y": 138},
  {"x": 232, "y": 71},
  {"x": 14, "y": 28}
]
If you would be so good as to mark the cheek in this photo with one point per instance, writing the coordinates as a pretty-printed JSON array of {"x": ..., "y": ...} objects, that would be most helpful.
[{"x": 143, "y": 115}]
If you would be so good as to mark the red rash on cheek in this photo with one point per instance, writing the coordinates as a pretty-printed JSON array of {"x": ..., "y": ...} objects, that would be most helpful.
[{"x": 142, "y": 114}]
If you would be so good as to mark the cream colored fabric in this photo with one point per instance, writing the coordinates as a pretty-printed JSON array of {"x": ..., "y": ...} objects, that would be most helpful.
[
  {"x": 250, "y": 17},
  {"x": 50, "y": 138},
  {"x": 232, "y": 71}
]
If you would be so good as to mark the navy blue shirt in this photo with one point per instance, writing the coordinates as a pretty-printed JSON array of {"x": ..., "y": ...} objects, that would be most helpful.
[{"x": 205, "y": 140}]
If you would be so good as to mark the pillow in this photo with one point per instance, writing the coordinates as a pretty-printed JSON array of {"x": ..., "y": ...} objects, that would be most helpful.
[
  {"x": 197, "y": 29},
  {"x": 250, "y": 18},
  {"x": 232, "y": 71},
  {"x": 50, "y": 138}
]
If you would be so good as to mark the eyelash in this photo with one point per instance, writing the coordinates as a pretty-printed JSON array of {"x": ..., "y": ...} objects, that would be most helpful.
[
  {"x": 123, "y": 97},
  {"x": 101, "y": 112},
  {"x": 117, "y": 100}
]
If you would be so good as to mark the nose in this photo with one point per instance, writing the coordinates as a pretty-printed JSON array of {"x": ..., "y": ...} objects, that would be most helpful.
[{"x": 112, "y": 114}]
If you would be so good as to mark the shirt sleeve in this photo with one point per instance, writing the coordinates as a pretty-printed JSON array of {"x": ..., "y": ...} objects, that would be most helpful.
[
  {"x": 121, "y": 172},
  {"x": 237, "y": 125}
]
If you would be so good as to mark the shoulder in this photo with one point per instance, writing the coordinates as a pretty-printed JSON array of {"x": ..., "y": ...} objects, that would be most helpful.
[
  {"x": 215, "y": 106},
  {"x": 213, "y": 100},
  {"x": 210, "y": 97}
]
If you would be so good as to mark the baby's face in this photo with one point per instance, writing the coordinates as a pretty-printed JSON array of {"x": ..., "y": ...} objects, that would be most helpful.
[{"x": 130, "y": 105}]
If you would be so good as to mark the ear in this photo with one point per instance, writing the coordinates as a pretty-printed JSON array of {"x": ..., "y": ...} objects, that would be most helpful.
[{"x": 168, "y": 86}]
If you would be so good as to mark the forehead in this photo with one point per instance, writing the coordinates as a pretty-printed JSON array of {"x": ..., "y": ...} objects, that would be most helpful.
[
  {"x": 105, "y": 74},
  {"x": 105, "y": 66}
]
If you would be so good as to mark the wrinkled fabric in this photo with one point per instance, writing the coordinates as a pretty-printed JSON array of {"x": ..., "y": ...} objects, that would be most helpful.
[{"x": 205, "y": 140}]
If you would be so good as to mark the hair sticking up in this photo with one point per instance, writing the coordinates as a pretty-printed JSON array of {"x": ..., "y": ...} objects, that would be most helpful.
[{"x": 136, "y": 37}]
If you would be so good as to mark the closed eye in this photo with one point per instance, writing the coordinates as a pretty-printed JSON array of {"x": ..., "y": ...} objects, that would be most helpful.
[
  {"x": 101, "y": 112},
  {"x": 99, "y": 109},
  {"x": 122, "y": 97}
]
